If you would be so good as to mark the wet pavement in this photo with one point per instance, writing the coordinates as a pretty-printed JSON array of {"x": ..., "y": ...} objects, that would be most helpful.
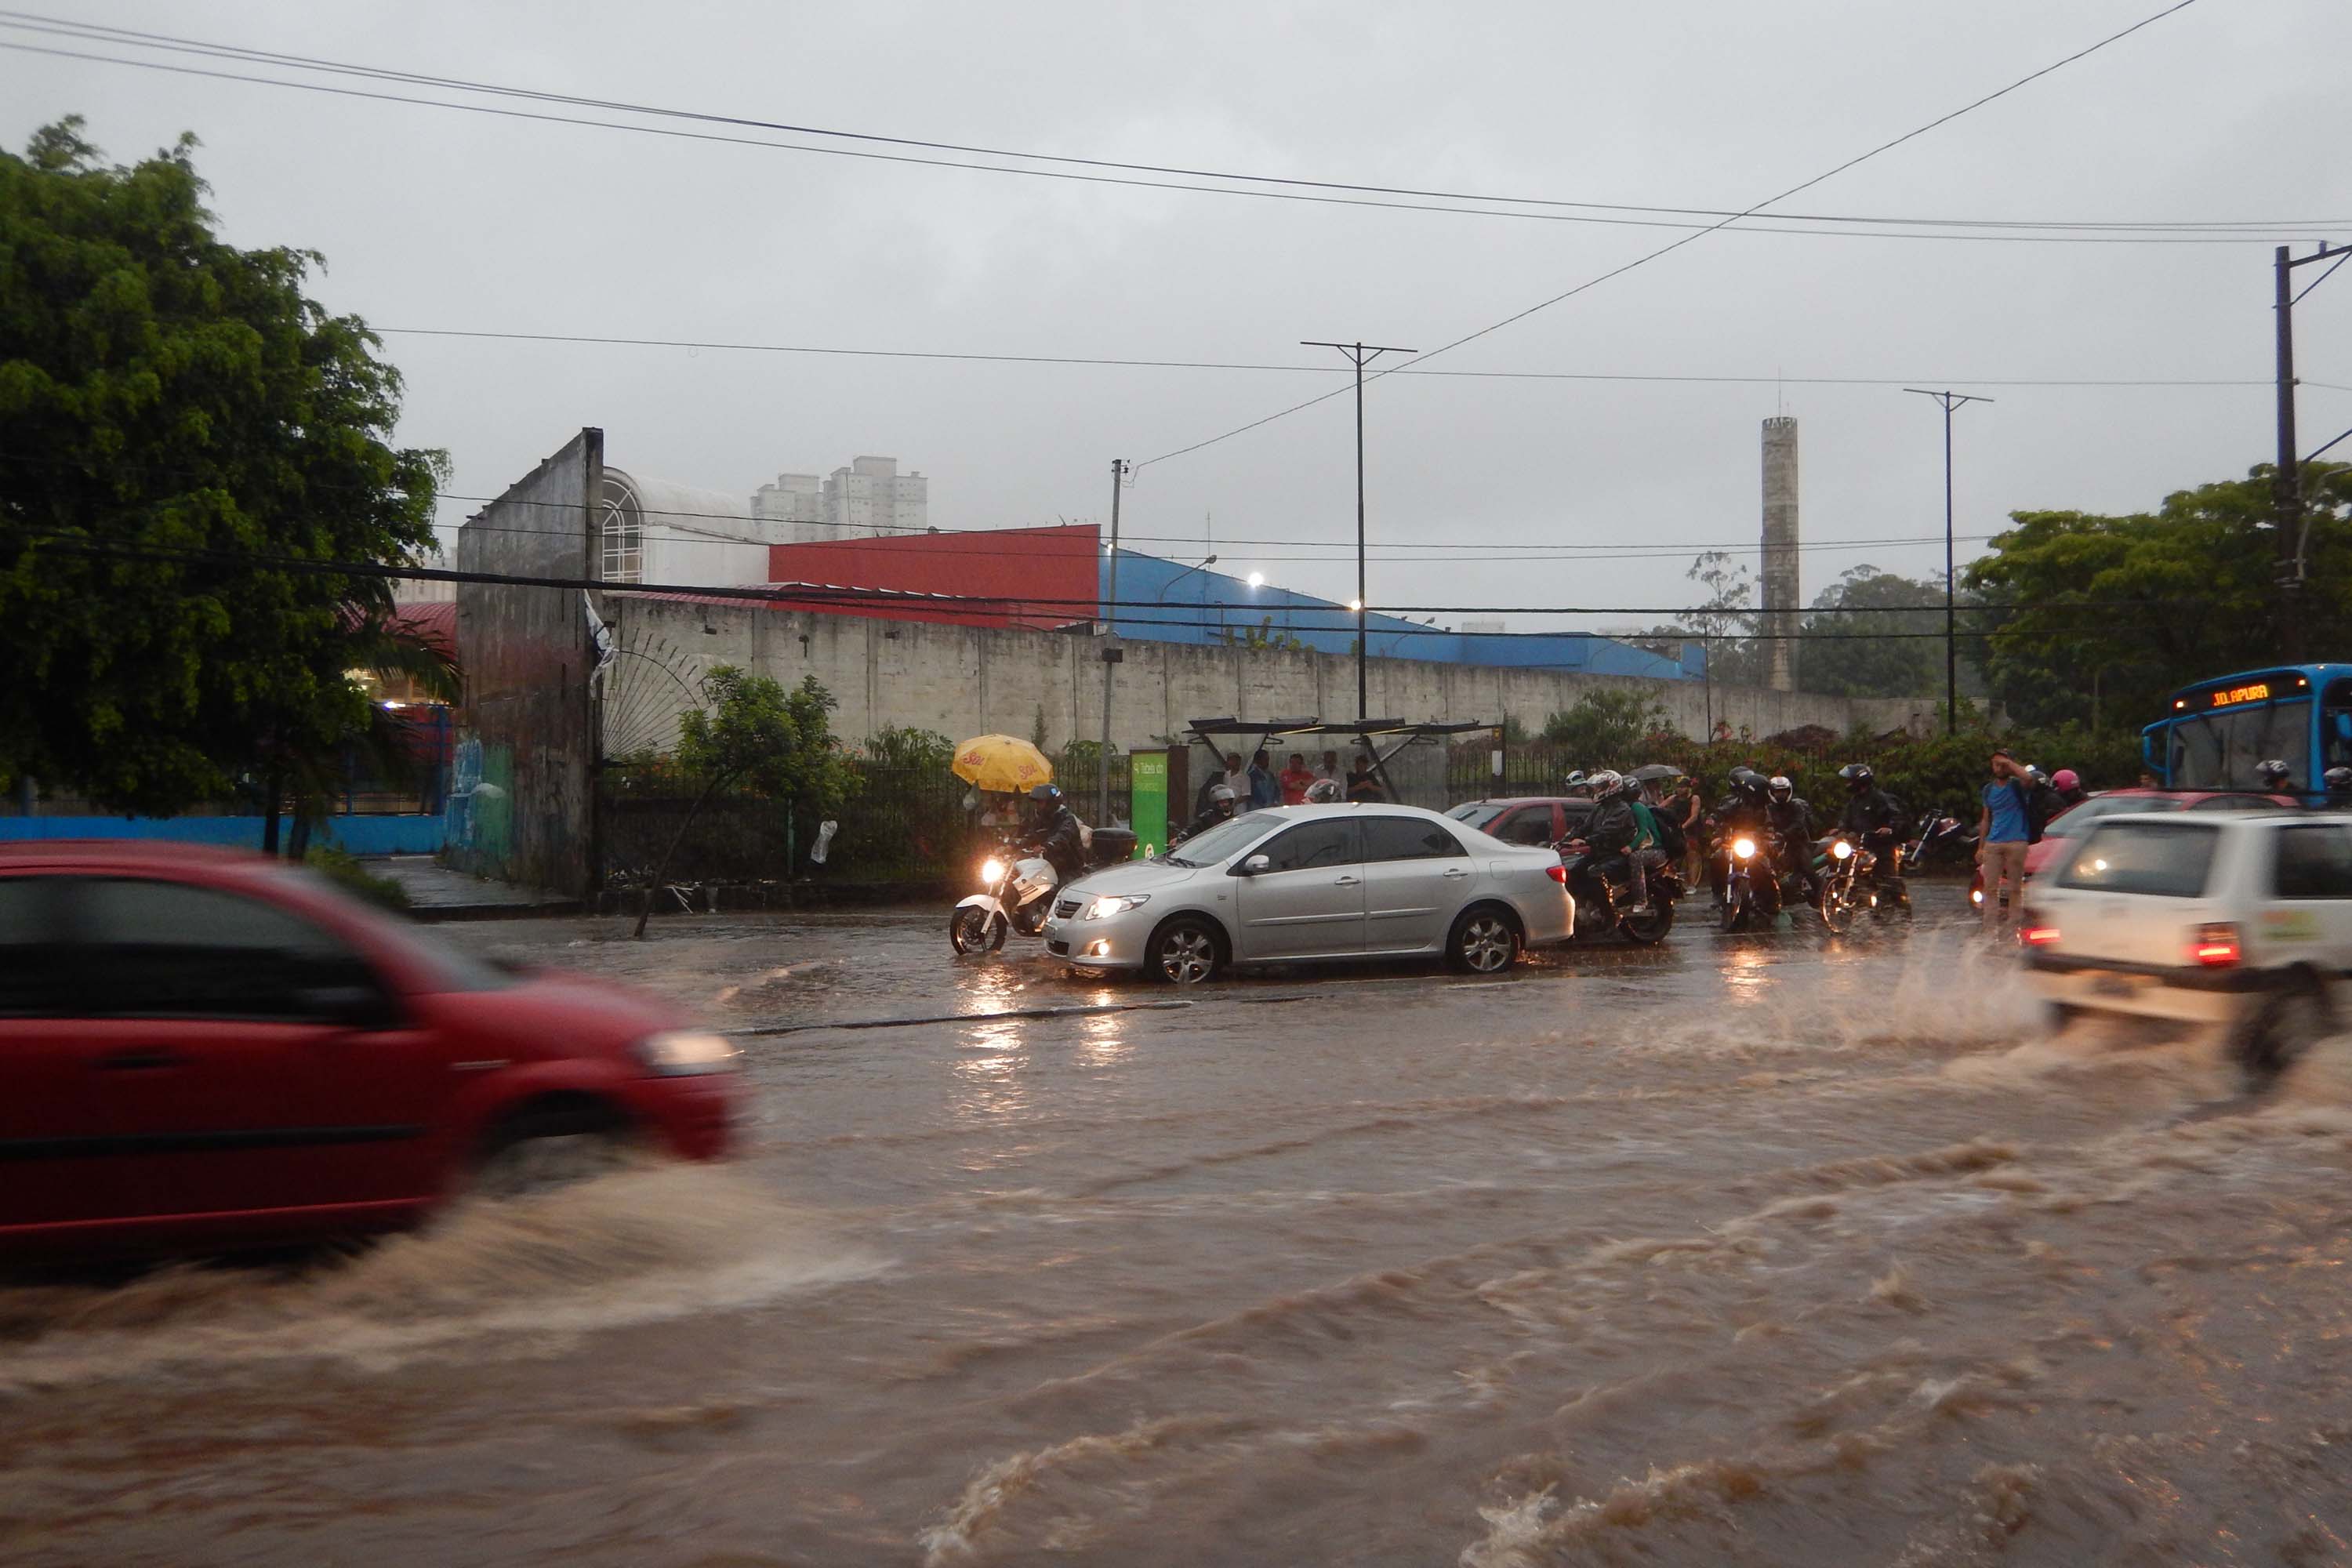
[{"x": 1760, "y": 1250}]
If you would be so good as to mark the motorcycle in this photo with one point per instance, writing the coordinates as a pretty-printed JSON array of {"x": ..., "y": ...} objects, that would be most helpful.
[
  {"x": 1751, "y": 889},
  {"x": 1599, "y": 898},
  {"x": 1849, "y": 877},
  {"x": 1942, "y": 837},
  {"x": 1018, "y": 888}
]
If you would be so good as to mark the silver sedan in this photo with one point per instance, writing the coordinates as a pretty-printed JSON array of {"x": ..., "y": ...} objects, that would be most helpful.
[{"x": 1298, "y": 884}]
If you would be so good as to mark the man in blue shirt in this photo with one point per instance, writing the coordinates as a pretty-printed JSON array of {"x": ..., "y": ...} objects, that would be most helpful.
[
  {"x": 1263, "y": 789},
  {"x": 2003, "y": 829}
]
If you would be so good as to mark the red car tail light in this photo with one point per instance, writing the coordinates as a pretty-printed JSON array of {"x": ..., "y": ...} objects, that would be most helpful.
[
  {"x": 2037, "y": 936},
  {"x": 1558, "y": 874},
  {"x": 2216, "y": 946}
]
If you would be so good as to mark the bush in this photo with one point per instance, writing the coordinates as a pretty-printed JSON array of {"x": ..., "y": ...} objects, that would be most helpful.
[{"x": 345, "y": 869}]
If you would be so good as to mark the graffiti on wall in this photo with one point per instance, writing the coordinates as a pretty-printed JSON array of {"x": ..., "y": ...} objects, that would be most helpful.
[{"x": 480, "y": 813}]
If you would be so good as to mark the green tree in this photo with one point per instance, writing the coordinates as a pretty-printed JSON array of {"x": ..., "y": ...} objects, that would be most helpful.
[
  {"x": 182, "y": 430},
  {"x": 752, "y": 734},
  {"x": 1604, "y": 727},
  {"x": 1843, "y": 655},
  {"x": 1726, "y": 620},
  {"x": 2111, "y": 613},
  {"x": 911, "y": 748}
]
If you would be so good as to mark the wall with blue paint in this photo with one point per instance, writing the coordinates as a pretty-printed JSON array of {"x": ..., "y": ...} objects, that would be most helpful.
[
  {"x": 360, "y": 834},
  {"x": 1240, "y": 609}
]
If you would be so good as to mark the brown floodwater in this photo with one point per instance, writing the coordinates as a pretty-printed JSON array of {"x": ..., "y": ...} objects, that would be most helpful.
[{"x": 1752, "y": 1250}]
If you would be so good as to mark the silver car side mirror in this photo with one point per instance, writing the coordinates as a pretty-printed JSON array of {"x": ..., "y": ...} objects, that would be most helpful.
[{"x": 1253, "y": 865}]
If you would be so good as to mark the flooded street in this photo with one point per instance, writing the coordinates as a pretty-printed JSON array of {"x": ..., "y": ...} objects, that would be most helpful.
[{"x": 1751, "y": 1250}]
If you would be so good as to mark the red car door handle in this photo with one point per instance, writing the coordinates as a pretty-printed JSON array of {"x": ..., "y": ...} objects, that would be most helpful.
[{"x": 139, "y": 1061}]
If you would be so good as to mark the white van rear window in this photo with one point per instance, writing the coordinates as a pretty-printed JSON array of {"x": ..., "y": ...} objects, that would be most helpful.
[{"x": 2164, "y": 859}]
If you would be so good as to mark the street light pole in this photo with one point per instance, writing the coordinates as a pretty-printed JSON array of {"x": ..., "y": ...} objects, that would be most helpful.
[
  {"x": 1949, "y": 400},
  {"x": 1110, "y": 650},
  {"x": 1360, "y": 356},
  {"x": 1161, "y": 596}
]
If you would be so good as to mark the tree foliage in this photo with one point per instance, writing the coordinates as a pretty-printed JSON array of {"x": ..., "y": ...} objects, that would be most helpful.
[
  {"x": 910, "y": 747},
  {"x": 2132, "y": 608},
  {"x": 181, "y": 428},
  {"x": 1604, "y": 724},
  {"x": 755, "y": 736},
  {"x": 1842, "y": 654}
]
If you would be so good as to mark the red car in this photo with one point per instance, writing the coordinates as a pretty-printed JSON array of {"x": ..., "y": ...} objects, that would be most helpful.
[
  {"x": 2072, "y": 822},
  {"x": 201, "y": 1050}
]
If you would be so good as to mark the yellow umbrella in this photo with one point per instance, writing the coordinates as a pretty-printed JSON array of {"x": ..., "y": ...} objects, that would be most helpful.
[{"x": 1002, "y": 763}]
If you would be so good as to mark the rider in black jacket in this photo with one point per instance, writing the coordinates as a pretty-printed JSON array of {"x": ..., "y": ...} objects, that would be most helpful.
[
  {"x": 1790, "y": 821},
  {"x": 1221, "y": 807},
  {"x": 1873, "y": 819},
  {"x": 1054, "y": 832}
]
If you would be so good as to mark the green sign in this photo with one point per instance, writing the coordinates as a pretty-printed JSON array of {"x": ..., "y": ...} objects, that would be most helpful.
[{"x": 1147, "y": 774}]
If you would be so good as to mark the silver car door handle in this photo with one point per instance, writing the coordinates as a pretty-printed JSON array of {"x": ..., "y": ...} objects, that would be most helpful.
[
  {"x": 1344, "y": 882},
  {"x": 1455, "y": 873}
]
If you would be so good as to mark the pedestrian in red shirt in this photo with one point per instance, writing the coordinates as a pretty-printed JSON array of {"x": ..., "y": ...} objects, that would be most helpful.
[{"x": 1295, "y": 780}]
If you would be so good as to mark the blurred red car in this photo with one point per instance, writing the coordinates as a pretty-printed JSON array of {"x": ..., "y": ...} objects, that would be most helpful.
[
  {"x": 201, "y": 1050},
  {"x": 2076, "y": 819}
]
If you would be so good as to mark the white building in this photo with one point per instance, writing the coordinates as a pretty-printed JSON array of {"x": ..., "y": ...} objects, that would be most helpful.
[
  {"x": 868, "y": 497},
  {"x": 652, "y": 530}
]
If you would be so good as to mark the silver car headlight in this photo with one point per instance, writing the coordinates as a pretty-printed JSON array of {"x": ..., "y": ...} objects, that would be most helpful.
[
  {"x": 1110, "y": 904},
  {"x": 686, "y": 1053}
]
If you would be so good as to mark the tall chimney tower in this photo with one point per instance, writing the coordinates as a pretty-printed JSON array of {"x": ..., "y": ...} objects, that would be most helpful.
[{"x": 1782, "y": 592}]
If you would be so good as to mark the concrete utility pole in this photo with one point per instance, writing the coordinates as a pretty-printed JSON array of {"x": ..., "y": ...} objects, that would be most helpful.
[
  {"x": 1950, "y": 400},
  {"x": 1111, "y": 650},
  {"x": 1360, "y": 356},
  {"x": 2294, "y": 525}
]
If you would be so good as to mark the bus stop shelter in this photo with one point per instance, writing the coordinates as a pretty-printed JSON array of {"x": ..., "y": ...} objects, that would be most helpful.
[{"x": 1381, "y": 740}]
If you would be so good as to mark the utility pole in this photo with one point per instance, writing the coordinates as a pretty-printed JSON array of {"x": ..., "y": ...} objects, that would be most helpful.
[
  {"x": 1950, "y": 400},
  {"x": 1110, "y": 649},
  {"x": 2286, "y": 485},
  {"x": 1360, "y": 356}
]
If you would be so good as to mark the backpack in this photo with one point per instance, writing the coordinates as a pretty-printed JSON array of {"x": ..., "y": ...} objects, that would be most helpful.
[
  {"x": 1668, "y": 833},
  {"x": 2031, "y": 807}
]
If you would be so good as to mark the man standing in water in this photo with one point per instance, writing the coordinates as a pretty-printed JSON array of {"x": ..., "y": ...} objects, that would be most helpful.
[{"x": 2003, "y": 829}]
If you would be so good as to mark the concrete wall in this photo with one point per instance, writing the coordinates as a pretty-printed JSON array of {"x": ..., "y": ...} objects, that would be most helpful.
[
  {"x": 522, "y": 800},
  {"x": 966, "y": 681}
]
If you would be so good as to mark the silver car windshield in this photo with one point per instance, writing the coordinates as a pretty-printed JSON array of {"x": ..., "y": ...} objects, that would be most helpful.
[{"x": 1222, "y": 841}]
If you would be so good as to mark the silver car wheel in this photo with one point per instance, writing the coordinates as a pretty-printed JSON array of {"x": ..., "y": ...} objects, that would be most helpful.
[
  {"x": 1187, "y": 955},
  {"x": 1486, "y": 943}
]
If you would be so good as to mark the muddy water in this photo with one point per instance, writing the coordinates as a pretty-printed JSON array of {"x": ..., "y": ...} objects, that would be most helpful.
[{"x": 1745, "y": 1250}]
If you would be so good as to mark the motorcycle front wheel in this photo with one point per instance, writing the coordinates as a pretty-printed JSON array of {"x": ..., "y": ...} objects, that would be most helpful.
[
  {"x": 975, "y": 931},
  {"x": 1837, "y": 910},
  {"x": 1734, "y": 913}
]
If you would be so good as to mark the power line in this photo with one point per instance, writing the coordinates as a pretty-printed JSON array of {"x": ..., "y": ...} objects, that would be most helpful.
[
  {"x": 1689, "y": 238},
  {"x": 1141, "y": 363},
  {"x": 829, "y": 594},
  {"x": 2093, "y": 231}
]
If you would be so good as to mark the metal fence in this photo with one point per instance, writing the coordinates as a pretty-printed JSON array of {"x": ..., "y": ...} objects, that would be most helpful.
[{"x": 900, "y": 826}]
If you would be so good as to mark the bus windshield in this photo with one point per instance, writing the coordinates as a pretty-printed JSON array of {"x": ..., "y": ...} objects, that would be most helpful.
[{"x": 2221, "y": 750}]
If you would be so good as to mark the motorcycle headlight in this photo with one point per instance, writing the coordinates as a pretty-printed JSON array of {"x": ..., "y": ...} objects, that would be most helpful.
[
  {"x": 1743, "y": 847},
  {"x": 1841, "y": 849},
  {"x": 682, "y": 1053},
  {"x": 1111, "y": 904},
  {"x": 992, "y": 871}
]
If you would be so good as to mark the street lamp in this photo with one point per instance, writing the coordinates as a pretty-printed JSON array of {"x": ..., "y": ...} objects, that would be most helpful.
[
  {"x": 1360, "y": 356},
  {"x": 1950, "y": 401},
  {"x": 1257, "y": 579},
  {"x": 1161, "y": 596}
]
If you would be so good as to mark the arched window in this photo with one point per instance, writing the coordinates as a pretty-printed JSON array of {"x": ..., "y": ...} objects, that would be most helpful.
[{"x": 620, "y": 524}]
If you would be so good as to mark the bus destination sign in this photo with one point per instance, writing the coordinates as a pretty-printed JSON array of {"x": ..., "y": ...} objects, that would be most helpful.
[{"x": 2256, "y": 691}]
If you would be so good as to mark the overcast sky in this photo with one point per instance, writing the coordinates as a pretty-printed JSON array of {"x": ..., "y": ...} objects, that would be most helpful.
[{"x": 430, "y": 218}]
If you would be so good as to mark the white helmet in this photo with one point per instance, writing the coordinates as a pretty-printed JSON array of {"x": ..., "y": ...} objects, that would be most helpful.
[
  {"x": 1780, "y": 786},
  {"x": 1221, "y": 795},
  {"x": 1603, "y": 784},
  {"x": 1322, "y": 791}
]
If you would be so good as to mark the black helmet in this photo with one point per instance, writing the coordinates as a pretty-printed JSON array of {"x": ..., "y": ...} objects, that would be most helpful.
[
  {"x": 1781, "y": 787},
  {"x": 2273, "y": 772},
  {"x": 1857, "y": 775},
  {"x": 1045, "y": 794}
]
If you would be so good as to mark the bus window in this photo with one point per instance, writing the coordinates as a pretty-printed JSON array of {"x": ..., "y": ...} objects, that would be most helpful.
[
  {"x": 2335, "y": 727},
  {"x": 2223, "y": 750}
]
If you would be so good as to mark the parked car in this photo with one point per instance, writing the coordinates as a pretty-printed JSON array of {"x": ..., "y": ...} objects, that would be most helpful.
[
  {"x": 2227, "y": 918},
  {"x": 1308, "y": 883},
  {"x": 2076, "y": 819},
  {"x": 203, "y": 1050},
  {"x": 1531, "y": 820}
]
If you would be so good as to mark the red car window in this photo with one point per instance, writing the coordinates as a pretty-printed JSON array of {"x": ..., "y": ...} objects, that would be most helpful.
[{"x": 174, "y": 950}]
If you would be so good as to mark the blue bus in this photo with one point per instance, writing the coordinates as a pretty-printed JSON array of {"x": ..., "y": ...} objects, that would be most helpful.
[{"x": 2217, "y": 732}]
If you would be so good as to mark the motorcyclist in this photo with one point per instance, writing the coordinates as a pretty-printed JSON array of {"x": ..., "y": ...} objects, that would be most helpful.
[
  {"x": 1054, "y": 832},
  {"x": 2277, "y": 777},
  {"x": 1741, "y": 810},
  {"x": 1614, "y": 830},
  {"x": 2069, "y": 786},
  {"x": 1873, "y": 819},
  {"x": 2339, "y": 788},
  {"x": 1221, "y": 808},
  {"x": 1790, "y": 821},
  {"x": 1577, "y": 785}
]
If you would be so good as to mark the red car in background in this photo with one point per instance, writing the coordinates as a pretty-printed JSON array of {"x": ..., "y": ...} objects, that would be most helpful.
[
  {"x": 202, "y": 1050},
  {"x": 2076, "y": 819}
]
